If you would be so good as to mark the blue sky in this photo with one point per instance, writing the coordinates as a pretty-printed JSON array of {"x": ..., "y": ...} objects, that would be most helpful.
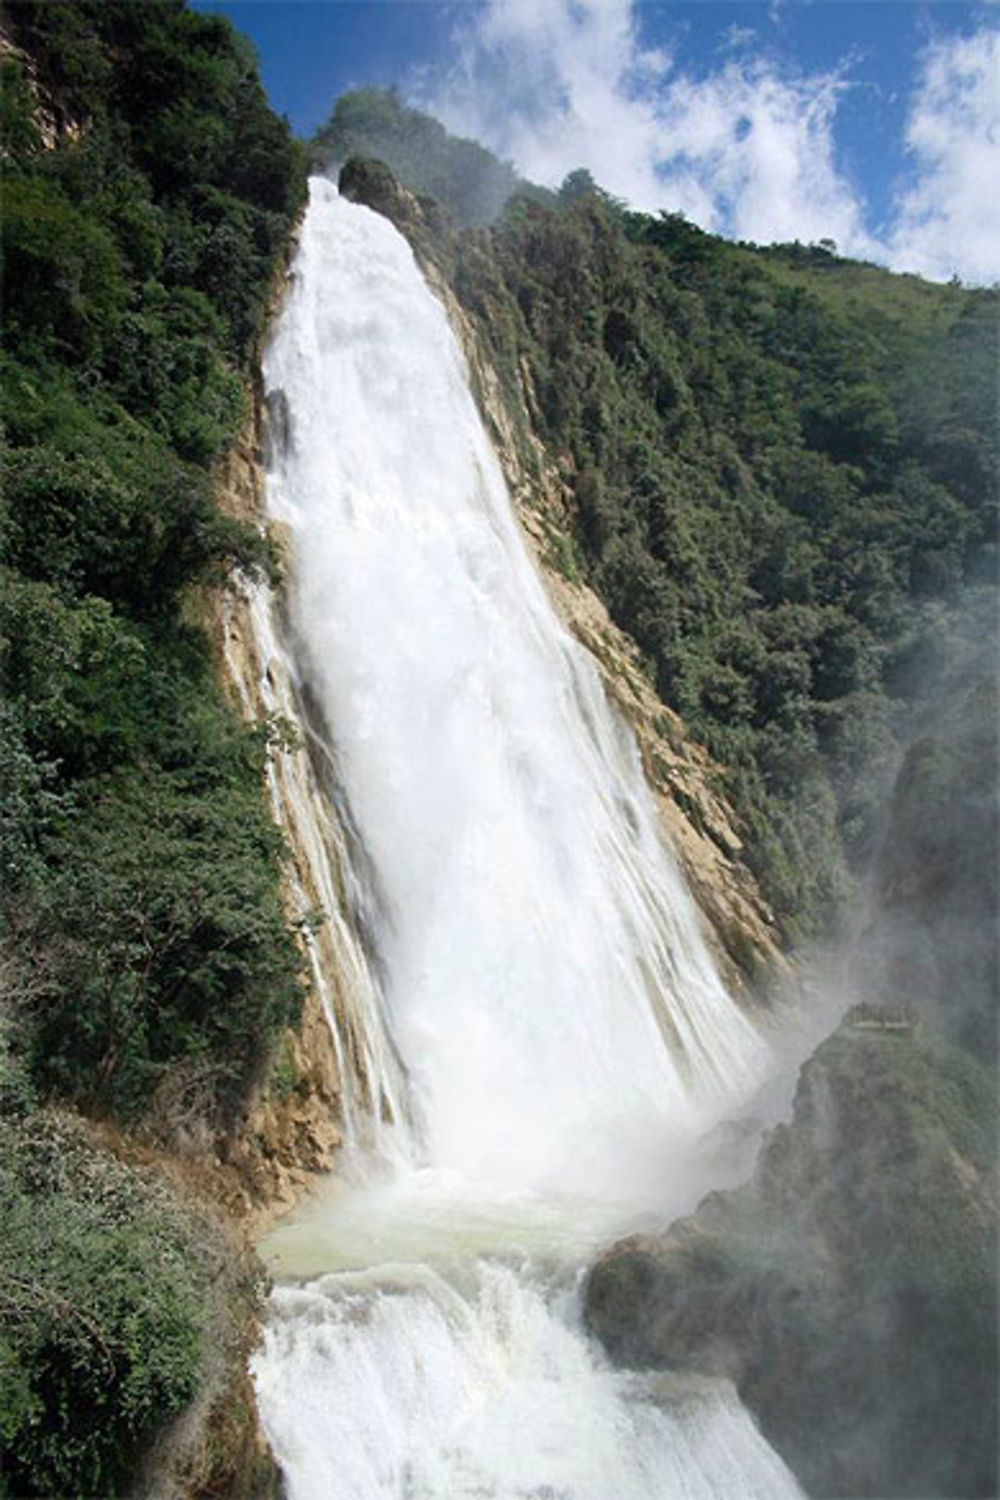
[{"x": 872, "y": 122}]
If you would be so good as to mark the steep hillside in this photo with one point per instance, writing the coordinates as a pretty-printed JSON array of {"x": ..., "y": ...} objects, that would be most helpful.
[
  {"x": 782, "y": 478},
  {"x": 147, "y": 962},
  {"x": 929, "y": 933},
  {"x": 458, "y": 174}
]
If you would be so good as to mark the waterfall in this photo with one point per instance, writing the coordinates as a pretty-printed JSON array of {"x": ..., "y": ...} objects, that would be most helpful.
[{"x": 567, "y": 1043}]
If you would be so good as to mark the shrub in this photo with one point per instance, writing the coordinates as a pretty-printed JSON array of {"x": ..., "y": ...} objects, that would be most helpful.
[{"x": 106, "y": 1310}]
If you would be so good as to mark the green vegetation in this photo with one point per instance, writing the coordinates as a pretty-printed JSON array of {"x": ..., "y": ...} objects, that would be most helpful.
[
  {"x": 107, "y": 1310},
  {"x": 148, "y": 196},
  {"x": 148, "y": 969},
  {"x": 784, "y": 467}
]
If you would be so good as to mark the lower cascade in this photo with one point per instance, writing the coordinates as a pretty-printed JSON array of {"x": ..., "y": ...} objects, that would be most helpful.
[{"x": 570, "y": 1059}]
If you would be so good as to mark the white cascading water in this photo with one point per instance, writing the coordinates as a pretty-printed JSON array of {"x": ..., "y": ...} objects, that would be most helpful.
[{"x": 567, "y": 1042}]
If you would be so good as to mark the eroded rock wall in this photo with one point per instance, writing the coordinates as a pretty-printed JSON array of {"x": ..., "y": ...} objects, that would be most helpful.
[{"x": 292, "y": 1128}]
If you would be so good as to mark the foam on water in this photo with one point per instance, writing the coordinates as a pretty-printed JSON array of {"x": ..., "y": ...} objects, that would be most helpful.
[{"x": 410, "y": 1384}]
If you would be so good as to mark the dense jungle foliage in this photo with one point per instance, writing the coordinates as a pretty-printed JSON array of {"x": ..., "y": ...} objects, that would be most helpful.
[
  {"x": 783, "y": 468},
  {"x": 113, "y": 1300},
  {"x": 148, "y": 196}
]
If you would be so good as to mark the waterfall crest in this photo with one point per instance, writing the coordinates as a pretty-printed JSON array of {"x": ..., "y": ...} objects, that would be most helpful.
[{"x": 564, "y": 1033}]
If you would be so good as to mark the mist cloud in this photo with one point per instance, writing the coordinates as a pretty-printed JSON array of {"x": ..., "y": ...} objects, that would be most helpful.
[{"x": 748, "y": 150}]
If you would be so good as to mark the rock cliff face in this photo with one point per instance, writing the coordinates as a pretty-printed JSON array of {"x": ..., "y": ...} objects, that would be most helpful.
[
  {"x": 849, "y": 1290},
  {"x": 292, "y": 1128},
  {"x": 701, "y": 825}
]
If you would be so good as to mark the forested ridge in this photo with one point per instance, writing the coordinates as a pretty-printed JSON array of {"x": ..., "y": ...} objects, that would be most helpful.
[
  {"x": 781, "y": 468},
  {"x": 147, "y": 200},
  {"x": 777, "y": 500}
]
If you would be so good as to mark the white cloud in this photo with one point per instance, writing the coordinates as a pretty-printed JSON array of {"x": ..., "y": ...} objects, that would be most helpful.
[
  {"x": 558, "y": 84},
  {"x": 748, "y": 150},
  {"x": 553, "y": 85},
  {"x": 948, "y": 220},
  {"x": 760, "y": 148}
]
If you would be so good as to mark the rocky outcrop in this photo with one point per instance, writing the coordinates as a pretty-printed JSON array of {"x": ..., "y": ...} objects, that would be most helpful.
[
  {"x": 701, "y": 825},
  {"x": 364, "y": 180},
  {"x": 54, "y": 124},
  {"x": 338, "y": 1066},
  {"x": 850, "y": 1289}
]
